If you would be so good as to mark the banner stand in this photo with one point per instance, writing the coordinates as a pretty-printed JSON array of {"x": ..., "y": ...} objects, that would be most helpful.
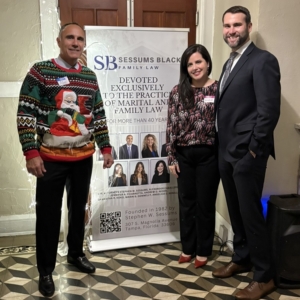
[{"x": 135, "y": 202}]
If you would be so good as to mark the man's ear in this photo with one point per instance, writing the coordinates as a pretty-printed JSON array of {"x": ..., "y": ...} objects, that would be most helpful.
[{"x": 250, "y": 27}]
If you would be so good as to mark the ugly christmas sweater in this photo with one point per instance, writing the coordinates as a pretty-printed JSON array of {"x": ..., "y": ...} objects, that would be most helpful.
[{"x": 61, "y": 114}]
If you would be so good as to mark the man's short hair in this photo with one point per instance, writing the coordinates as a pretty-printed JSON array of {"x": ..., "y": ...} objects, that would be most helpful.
[
  {"x": 239, "y": 9},
  {"x": 62, "y": 28}
]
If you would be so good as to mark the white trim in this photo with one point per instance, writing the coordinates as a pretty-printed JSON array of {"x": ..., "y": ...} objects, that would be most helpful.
[
  {"x": 205, "y": 29},
  {"x": 10, "y": 89},
  {"x": 14, "y": 225},
  {"x": 132, "y": 14},
  {"x": 17, "y": 225},
  {"x": 128, "y": 13},
  {"x": 49, "y": 28}
]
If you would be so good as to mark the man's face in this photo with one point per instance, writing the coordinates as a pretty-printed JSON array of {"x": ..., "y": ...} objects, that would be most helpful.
[
  {"x": 235, "y": 30},
  {"x": 71, "y": 43},
  {"x": 129, "y": 139}
]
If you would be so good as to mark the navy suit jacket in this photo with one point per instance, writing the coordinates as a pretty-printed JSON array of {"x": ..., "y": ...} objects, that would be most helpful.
[
  {"x": 249, "y": 106},
  {"x": 164, "y": 152},
  {"x": 123, "y": 153},
  {"x": 147, "y": 153}
]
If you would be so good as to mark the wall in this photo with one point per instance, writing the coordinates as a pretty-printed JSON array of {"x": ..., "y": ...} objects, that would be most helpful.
[
  {"x": 20, "y": 46},
  {"x": 278, "y": 29},
  {"x": 26, "y": 26}
]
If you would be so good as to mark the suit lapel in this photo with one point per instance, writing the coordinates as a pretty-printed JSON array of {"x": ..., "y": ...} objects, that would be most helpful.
[{"x": 236, "y": 69}]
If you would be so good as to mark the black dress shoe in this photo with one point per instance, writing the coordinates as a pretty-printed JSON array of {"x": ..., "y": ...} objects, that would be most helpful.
[
  {"x": 82, "y": 263},
  {"x": 46, "y": 285}
]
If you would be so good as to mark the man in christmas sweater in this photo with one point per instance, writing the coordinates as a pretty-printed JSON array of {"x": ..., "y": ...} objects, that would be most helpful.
[{"x": 60, "y": 119}]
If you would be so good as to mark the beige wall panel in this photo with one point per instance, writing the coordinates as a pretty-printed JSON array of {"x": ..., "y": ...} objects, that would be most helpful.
[
  {"x": 20, "y": 48},
  {"x": 14, "y": 181},
  {"x": 278, "y": 32},
  {"x": 20, "y": 37}
]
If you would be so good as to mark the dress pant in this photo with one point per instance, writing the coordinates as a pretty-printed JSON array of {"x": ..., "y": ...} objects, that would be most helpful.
[
  {"x": 49, "y": 194},
  {"x": 198, "y": 183},
  {"x": 243, "y": 184}
]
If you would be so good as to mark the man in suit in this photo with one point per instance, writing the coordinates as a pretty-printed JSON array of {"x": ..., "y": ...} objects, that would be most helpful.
[
  {"x": 247, "y": 106},
  {"x": 164, "y": 152},
  {"x": 129, "y": 150}
]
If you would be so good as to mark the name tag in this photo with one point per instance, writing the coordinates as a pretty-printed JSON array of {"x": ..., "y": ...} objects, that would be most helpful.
[
  {"x": 62, "y": 80},
  {"x": 209, "y": 99}
]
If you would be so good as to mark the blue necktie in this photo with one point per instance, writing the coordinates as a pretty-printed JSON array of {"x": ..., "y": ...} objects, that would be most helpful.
[{"x": 129, "y": 152}]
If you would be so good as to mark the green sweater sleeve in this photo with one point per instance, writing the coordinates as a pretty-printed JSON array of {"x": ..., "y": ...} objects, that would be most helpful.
[
  {"x": 27, "y": 110},
  {"x": 100, "y": 125}
]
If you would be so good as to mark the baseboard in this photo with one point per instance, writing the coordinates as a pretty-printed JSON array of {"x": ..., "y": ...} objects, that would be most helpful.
[
  {"x": 221, "y": 221},
  {"x": 17, "y": 225}
]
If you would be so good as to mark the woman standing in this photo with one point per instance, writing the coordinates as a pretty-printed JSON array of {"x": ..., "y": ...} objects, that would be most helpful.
[
  {"x": 139, "y": 176},
  {"x": 149, "y": 146},
  {"x": 192, "y": 155},
  {"x": 118, "y": 178},
  {"x": 161, "y": 174}
]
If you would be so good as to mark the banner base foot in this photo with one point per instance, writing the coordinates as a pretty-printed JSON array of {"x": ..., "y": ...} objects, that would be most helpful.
[{"x": 133, "y": 241}]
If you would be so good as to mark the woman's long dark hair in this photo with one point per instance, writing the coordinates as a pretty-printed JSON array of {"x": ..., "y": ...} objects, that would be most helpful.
[
  {"x": 135, "y": 177},
  {"x": 186, "y": 91},
  {"x": 165, "y": 171}
]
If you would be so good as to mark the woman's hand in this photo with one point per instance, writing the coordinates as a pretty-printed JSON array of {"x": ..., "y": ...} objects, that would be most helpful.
[{"x": 174, "y": 169}]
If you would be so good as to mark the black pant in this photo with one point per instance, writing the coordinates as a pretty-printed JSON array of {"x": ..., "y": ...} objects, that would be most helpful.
[
  {"x": 243, "y": 184},
  {"x": 197, "y": 190},
  {"x": 49, "y": 193}
]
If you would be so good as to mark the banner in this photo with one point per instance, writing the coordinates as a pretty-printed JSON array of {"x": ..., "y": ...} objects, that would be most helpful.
[{"x": 135, "y": 202}]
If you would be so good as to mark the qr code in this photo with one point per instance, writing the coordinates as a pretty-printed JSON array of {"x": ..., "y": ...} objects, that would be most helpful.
[{"x": 110, "y": 222}]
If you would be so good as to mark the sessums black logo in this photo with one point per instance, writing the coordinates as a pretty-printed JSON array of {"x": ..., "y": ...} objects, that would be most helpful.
[
  {"x": 105, "y": 62},
  {"x": 109, "y": 62}
]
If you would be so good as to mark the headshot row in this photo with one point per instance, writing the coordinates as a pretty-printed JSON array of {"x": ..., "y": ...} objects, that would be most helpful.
[
  {"x": 138, "y": 145},
  {"x": 139, "y": 173}
]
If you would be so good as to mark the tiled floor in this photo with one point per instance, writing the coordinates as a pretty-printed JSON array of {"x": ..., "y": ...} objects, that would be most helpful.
[{"x": 139, "y": 273}]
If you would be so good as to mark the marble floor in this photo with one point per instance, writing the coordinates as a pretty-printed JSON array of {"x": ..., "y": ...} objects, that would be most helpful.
[{"x": 140, "y": 273}]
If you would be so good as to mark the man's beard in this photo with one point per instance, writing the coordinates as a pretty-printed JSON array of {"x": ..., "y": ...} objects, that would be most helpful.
[{"x": 241, "y": 39}]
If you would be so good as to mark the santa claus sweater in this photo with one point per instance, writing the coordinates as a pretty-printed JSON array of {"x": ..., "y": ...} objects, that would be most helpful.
[{"x": 61, "y": 114}]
